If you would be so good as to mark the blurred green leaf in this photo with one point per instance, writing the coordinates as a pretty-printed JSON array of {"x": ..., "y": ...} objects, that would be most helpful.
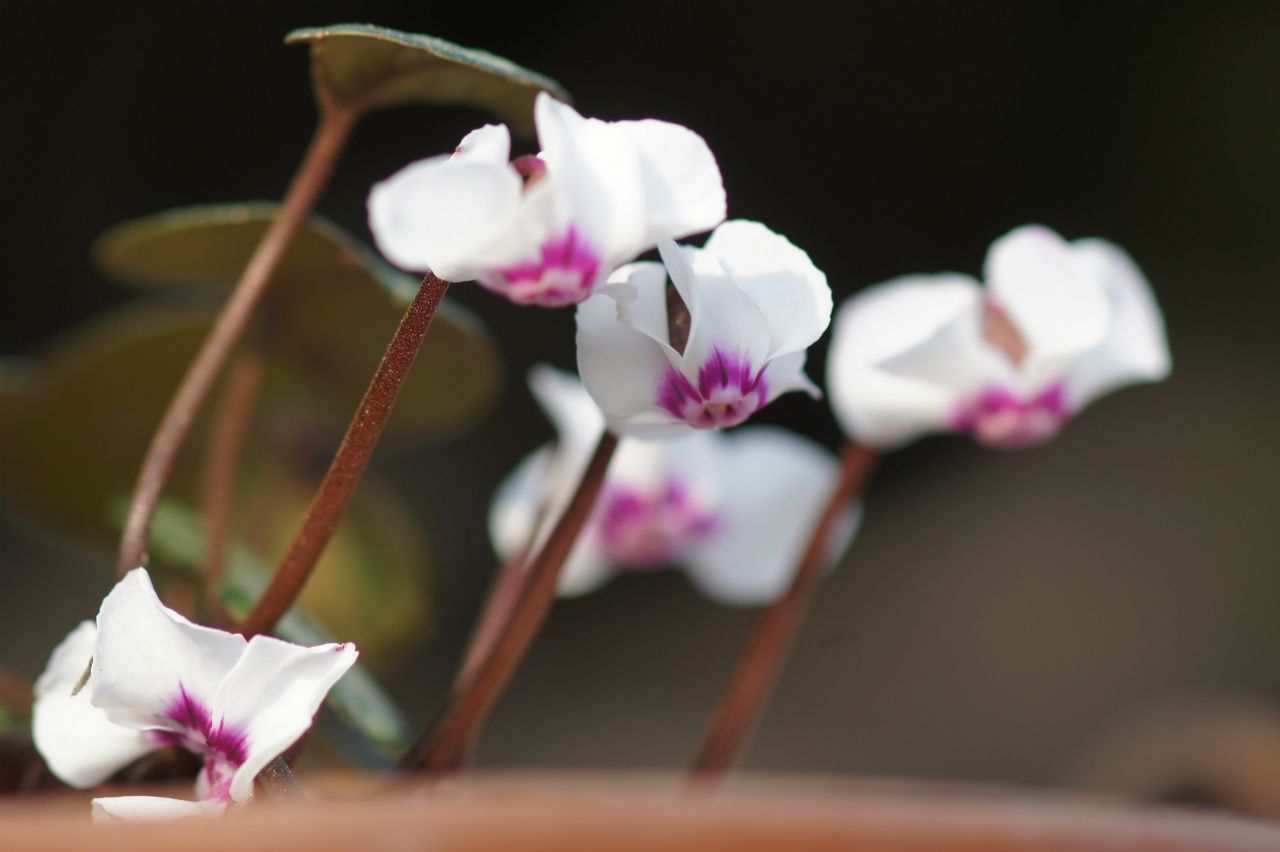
[
  {"x": 383, "y": 68},
  {"x": 178, "y": 539},
  {"x": 328, "y": 315},
  {"x": 75, "y": 429}
]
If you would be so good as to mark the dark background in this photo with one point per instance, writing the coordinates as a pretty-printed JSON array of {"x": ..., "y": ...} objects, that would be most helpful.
[{"x": 1000, "y": 611}]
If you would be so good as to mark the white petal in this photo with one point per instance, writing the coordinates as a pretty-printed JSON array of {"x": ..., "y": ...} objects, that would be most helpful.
[
  {"x": 489, "y": 144},
  {"x": 684, "y": 193},
  {"x": 271, "y": 696},
  {"x": 881, "y": 408},
  {"x": 151, "y": 809},
  {"x": 775, "y": 485},
  {"x": 641, "y": 296},
  {"x": 1135, "y": 349},
  {"x": 622, "y": 368},
  {"x": 1057, "y": 306},
  {"x": 146, "y": 656},
  {"x": 724, "y": 318},
  {"x": 585, "y": 570},
  {"x": 780, "y": 278},
  {"x": 596, "y": 171},
  {"x": 787, "y": 374},
  {"x": 81, "y": 746},
  {"x": 519, "y": 502},
  {"x": 577, "y": 418},
  {"x": 439, "y": 214}
]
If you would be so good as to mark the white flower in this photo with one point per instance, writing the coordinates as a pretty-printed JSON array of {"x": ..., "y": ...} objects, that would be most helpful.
[
  {"x": 734, "y": 510},
  {"x": 1058, "y": 325},
  {"x": 156, "y": 679},
  {"x": 548, "y": 229},
  {"x": 754, "y": 304}
]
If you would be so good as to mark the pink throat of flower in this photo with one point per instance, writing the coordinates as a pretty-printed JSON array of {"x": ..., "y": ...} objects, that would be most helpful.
[
  {"x": 728, "y": 392},
  {"x": 564, "y": 275},
  {"x": 223, "y": 747},
  {"x": 998, "y": 418},
  {"x": 651, "y": 528}
]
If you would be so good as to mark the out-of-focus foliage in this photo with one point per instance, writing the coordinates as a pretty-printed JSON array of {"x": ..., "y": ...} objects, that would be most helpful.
[{"x": 377, "y": 67}]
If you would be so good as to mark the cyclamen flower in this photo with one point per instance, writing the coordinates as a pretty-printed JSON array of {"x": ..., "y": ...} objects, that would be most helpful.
[
  {"x": 1058, "y": 325},
  {"x": 155, "y": 679},
  {"x": 547, "y": 230},
  {"x": 749, "y": 304},
  {"x": 734, "y": 510}
]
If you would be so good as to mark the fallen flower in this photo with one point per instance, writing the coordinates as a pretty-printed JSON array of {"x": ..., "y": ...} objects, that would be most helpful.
[
  {"x": 547, "y": 230},
  {"x": 143, "y": 677},
  {"x": 726, "y": 341},
  {"x": 1058, "y": 325},
  {"x": 734, "y": 510}
]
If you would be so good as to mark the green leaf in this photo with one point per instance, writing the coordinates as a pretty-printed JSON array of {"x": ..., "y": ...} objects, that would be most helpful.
[
  {"x": 178, "y": 540},
  {"x": 74, "y": 431},
  {"x": 329, "y": 312},
  {"x": 377, "y": 68}
]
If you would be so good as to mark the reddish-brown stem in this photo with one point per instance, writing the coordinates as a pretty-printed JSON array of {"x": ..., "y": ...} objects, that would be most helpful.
[
  {"x": 445, "y": 746},
  {"x": 336, "y": 123},
  {"x": 330, "y": 502},
  {"x": 504, "y": 593},
  {"x": 221, "y": 465},
  {"x": 766, "y": 650},
  {"x": 15, "y": 691}
]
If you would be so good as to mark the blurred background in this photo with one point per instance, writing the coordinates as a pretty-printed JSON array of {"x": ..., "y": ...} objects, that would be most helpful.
[{"x": 1068, "y": 614}]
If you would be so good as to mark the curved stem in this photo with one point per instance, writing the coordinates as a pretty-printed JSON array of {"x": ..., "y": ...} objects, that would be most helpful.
[
  {"x": 748, "y": 693},
  {"x": 446, "y": 745},
  {"x": 504, "y": 593},
  {"x": 221, "y": 464},
  {"x": 313, "y": 173},
  {"x": 330, "y": 502}
]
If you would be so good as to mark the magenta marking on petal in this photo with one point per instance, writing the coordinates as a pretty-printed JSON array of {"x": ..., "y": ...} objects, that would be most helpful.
[
  {"x": 651, "y": 528},
  {"x": 728, "y": 392},
  {"x": 998, "y": 418},
  {"x": 222, "y": 742},
  {"x": 565, "y": 274}
]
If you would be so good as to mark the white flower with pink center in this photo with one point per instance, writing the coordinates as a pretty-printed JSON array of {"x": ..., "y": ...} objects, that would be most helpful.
[
  {"x": 733, "y": 510},
  {"x": 143, "y": 677},
  {"x": 727, "y": 337},
  {"x": 548, "y": 229},
  {"x": 1057, "y": 325}
]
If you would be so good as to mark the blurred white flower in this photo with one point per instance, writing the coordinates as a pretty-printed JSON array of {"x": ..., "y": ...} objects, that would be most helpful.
[
  {"x": 155, "y": 679},
  {"x": 547, "y": 230},
  {"x": 754, "y": 304},
  {"x": 734, "y": 510},
  {"x": 1058, "y": 325}
]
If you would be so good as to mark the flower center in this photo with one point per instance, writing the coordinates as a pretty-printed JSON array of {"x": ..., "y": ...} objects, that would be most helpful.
[
  {"x": 650, "y": 529},
  {"x": 728, "y": 392},
  {"x": 223, "y": 746},
  {"x": 563, "y": 276},
  {"x": 999, "y": 419}
]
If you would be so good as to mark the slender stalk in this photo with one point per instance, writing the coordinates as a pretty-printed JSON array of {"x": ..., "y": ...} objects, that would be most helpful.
[
  {"x": 336, "y": 123},
  {"x": 504, "y": 594},
  {"x": 279, "y": 785},
  {"x": 221, "y": 464},
  {"x": 446, "y": 745},
  {"x": 748, "y": 693},
  {"x": 330, "y": 502}
]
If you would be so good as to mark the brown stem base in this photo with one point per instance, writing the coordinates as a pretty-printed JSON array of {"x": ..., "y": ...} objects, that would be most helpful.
[
  {"x": 443, "y": 748},
  {"x": 748, "y": 693}
]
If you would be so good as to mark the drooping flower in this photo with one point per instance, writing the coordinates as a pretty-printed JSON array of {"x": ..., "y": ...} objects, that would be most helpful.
[
  {"x": 549, "y": 229},
  {"x": 733, "y": 510},
  {"x": 143, "y": 677},
  {"x": 1058, "y": 325},
  {"x": 726, "y": 340}
]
